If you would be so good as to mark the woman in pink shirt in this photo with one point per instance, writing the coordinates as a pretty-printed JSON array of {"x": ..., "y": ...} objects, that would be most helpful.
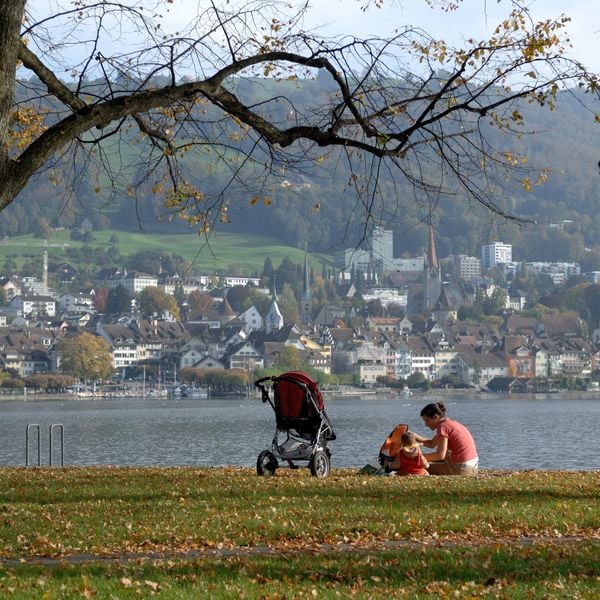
[{"x": 455, "y": 451}]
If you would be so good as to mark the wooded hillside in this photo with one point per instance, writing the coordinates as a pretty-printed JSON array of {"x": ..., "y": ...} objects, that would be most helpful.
[{"x": 316, "y": 207}]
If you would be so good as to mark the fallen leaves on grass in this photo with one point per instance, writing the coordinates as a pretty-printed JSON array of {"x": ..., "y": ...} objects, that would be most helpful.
[{"x": 58, "y": 512}]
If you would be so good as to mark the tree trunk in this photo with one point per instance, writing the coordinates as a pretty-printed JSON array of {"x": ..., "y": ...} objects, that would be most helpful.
[{"x": 11, "y": 17}]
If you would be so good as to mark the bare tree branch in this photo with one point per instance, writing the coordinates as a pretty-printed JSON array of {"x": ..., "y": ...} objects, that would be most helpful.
[{"x": 417, "y": 107}]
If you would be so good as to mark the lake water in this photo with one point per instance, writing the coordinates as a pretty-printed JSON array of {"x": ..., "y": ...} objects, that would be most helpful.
[{"x": 548, "y": 432}]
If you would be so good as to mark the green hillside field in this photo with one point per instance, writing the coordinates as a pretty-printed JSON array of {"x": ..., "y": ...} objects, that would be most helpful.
[{"x": 225, "y": 252}]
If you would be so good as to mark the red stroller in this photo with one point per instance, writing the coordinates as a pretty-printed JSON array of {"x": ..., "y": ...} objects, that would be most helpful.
[{"x": 302, "y": 430}]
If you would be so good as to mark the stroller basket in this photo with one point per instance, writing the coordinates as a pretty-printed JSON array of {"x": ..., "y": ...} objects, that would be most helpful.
[{"x": 303, "y": 429}]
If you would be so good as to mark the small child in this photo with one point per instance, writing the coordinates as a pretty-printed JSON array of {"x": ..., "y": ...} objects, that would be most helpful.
[{"x": 409, "y": 460}]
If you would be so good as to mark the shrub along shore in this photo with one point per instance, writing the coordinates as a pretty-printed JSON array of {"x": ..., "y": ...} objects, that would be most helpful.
[{"x": 225, "y": 533}]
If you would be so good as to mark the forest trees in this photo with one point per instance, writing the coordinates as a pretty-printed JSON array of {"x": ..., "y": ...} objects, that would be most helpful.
[{"x": 408, "y": 105}]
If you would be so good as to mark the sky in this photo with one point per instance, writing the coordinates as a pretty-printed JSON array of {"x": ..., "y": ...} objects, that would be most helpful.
[{"x": 475, "y": 18}]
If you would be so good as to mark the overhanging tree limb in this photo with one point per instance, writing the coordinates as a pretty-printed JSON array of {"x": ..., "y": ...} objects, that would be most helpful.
[{"x": 411, "y": 101}]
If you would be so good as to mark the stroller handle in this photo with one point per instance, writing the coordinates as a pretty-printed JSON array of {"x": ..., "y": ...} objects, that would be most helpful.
[{"x": 264, "y": 391}]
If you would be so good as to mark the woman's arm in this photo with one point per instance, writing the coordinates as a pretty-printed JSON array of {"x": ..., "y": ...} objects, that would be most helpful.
[
  {"x": 441, "y": 449},
  {"x": 430, "y": 443}
]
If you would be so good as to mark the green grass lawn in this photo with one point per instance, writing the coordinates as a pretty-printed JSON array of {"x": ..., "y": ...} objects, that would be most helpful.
[
  {"x": 220, "y": 251},
  {"x": 226, "y": 533}
]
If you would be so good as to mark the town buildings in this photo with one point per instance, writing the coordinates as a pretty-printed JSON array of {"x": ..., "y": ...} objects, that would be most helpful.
[{"x": 427, "y": 339}]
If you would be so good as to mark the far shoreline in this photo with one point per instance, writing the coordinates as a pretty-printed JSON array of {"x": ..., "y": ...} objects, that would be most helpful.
[{"x": 328, "y": 395}]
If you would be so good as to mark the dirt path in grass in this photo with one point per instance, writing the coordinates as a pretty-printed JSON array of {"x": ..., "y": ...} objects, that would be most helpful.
[{"x": 291, "y": 550}]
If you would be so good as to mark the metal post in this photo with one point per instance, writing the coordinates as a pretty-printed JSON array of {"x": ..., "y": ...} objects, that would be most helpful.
[
  {"x": 37, "y": 429},
  {"x": 39, "y": 455},
  {"x": 61, "y": 430}
]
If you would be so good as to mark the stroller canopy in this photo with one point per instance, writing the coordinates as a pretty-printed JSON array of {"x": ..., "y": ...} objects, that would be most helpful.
[{"x": 291, "y": 398}]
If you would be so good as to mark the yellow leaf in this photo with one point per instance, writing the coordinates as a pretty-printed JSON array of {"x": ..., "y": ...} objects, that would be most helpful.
[{"x": 152, "y": 585}]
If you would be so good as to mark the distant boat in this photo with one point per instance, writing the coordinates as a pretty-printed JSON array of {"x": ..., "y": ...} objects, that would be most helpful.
[
  {"x": 194, "y": 392},
  {"x": 157, "y": 393},
  {"x": 406, "y": 391}
]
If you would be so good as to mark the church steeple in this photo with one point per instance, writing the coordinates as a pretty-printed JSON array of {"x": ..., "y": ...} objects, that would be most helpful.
[
  {"x": 432, "y": 261},
  {"x": 306, "y": 301},
  {"x": 433, "y": 275},
  {"x": 274, "y": 319}
]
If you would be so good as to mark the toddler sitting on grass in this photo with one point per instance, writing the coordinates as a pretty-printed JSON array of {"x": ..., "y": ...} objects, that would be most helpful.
[{"x": 409, "y": 460}]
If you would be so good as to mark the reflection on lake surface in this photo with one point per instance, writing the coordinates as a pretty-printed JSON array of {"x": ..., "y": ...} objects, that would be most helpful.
[{"x": 511, "y": 433}]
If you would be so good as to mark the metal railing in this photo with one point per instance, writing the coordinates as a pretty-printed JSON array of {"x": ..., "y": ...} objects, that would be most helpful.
[{"x": 36, "y": 429}]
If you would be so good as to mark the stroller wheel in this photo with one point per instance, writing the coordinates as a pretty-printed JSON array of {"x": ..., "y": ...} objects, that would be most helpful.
[
  {"x": 320, "y": 464},
  {"x": 266, "y": 464}
]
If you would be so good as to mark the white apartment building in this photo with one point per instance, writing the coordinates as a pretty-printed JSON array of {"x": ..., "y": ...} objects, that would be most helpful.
[
  {"x": 169, "y": 285},
  {"x": 382, "y": 249},
  {"x": 387, "y": 296},
  {"x": 28, "y": 305},
  {"x": 409, "y": 264},
  {"x": 380, "y": 258},
  {"x": 133, "y": 282},
  {"x": 239, "y": 280},
  {"x": 559, "y": 271},
  {"x": 466, "y": 267},
  {"x": 593, "y": 276},
  {"x": 213, "y": 281},
  {"x": 495, "y": 254},
  {"x": 359, "y": 260},
  {"x": 75, "y": 303}
]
